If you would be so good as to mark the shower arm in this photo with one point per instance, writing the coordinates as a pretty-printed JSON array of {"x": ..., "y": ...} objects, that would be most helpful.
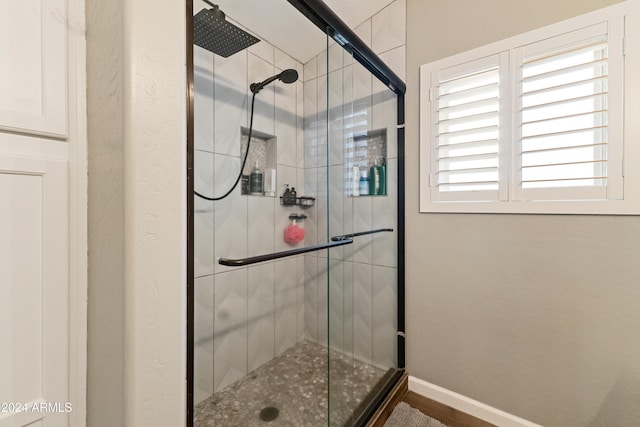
[
  {"x": 211, "y": 4},
  {"x": 268, "y": 257}
]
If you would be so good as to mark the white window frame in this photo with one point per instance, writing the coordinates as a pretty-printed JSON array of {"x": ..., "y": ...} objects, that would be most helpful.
[{"x": 623, "y": 190}]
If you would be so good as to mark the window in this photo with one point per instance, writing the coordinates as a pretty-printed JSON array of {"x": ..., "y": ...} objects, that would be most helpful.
[{"x": 535, "y": 123}]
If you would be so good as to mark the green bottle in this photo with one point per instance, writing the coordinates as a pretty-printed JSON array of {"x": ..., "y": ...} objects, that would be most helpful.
[
  {"x": 383, "y": 177},
  {"x": 374, "y": 179}
]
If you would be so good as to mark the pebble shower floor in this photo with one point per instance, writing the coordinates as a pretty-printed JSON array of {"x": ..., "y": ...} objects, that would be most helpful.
[{"x": 295, "y": 384}]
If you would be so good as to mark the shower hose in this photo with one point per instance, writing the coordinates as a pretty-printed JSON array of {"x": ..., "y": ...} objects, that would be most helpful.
[{"x": 244, "y": 160}]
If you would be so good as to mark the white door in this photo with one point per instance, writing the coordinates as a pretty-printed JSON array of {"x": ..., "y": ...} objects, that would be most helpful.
[{"x": 35, "y": 150}]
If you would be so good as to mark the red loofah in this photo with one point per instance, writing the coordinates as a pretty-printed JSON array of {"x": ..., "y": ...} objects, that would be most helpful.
[{"x": 293, "y": 234}]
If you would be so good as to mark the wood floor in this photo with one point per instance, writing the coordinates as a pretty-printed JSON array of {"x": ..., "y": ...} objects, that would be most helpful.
[{"x": 443, "y": 413}]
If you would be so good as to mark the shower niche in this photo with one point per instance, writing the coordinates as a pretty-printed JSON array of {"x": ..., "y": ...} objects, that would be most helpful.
[
  {"x": 263, "y": 157},
  {"x": 366, "y": 166}
]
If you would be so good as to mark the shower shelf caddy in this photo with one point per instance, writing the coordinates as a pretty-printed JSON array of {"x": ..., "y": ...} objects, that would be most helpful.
[{"x": 302, "y": 201}]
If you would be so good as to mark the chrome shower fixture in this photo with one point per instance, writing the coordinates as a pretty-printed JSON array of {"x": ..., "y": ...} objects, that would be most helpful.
[
  {"x": 212, "y": 32},
  {"x": 287, "y": 76}
]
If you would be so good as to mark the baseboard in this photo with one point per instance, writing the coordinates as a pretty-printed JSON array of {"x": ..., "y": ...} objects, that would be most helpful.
[{"x": 467, "y": 405}]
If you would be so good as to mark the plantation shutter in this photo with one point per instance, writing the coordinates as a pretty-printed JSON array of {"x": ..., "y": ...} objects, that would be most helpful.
[
  {"x": 466, "y": 116},
  {"x": 563, "y": 114}
]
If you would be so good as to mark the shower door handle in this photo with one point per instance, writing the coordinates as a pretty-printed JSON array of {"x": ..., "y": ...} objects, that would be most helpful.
[
  {"x": 361, "y": 233},
  {"x": 268, "y": 257}
]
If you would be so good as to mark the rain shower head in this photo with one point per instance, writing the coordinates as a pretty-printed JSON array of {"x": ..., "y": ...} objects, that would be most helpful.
[
  {"x": 287, "y": 76},
  {"x": 211, "y": 31}
]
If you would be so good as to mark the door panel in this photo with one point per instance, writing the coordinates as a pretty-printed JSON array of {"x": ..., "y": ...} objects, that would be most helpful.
[
  {"x": 33, "y": 292},
  {"x": 33, "y": 87}
]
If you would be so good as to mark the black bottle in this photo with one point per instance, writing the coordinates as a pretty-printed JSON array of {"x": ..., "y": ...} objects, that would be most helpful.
[{"x": 293, "y": 196}]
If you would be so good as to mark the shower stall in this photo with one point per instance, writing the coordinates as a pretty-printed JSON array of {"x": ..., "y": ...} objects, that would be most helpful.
[{"x": 296, "y": 283}]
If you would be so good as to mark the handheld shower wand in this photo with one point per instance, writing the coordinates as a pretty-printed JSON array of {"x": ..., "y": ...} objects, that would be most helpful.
[{"x": 287, "y": 76}]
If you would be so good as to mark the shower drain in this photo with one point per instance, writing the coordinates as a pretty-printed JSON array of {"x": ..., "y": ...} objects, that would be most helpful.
[{"x": 269, "y": 413}]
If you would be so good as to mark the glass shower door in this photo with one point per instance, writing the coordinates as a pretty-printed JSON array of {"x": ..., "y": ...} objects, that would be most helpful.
[
  {"x": 362, "y": 205},
  {"x": 304, "y": 338}
]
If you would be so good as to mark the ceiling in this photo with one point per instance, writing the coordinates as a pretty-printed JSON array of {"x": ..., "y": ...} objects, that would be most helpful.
[{"x": 279, "y": 23}]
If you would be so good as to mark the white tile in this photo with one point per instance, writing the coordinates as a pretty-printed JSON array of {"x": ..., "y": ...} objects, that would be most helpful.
[
  {"x": 321, "y": 59},
  {"x": 311, "y": 298},
  {"x": 384, "y": 115},
  {"x": 396, "y": 60},
  {"x": 347, "y": 95},
  {"x": 336, "y": 207},
  {"x": 310, "y": 123},
  {"x": 336, "y": 141},
  {"x": 388, "y": 27},
  {"x": 385, "y": 303},
  {"x": 361, "y": 99},
  {"x": 263, "y": 117},
  {"x": 335, "y": 57},
  {"x": 311, "y": 223},
  {"x": 310, "y": 70},
  {"x": 264, "y": 50},
  {"x": 203, "y": 310},
  {"x": 261, "y": 218},
  {"x": 203, "y": 338},
  {"x": 203, "y": 104},
  {"x": 203, "y": 214},
  {"x": 348, "y": 308},
  {"x": 321, "y": 144},
  {"x": 363, "y": 332},
  {"x": 300, "y": 125},
  {"x": 261, "y": 315},
  {"x": 323, "y": 301},
  {"x": 286, "y": 304},
  {"x": 282, "y": 61},
  {"x": 363, "y": 31},
  {"x": 348, "y": 123},
  {"x": 300, "y": 183},
  {"x": 362, "y": 221},
  {"x": 335, "y": 94},
  {"x": 231, "y": 102},
  {"x": 385, "y": 214},
  {"x": 336, "y": 305},
  {"x": 230, "y": 326},
  {"x": 300, "y": 302},
  {"x": 230, "y": 214},
  {"x": 322, "y": 206},
  {"x": 300, "y": 69},
  {"x": 286, "y": 122},
  {"x": 347, "y": 57},
  {"x": 347, "y": 225},
  {"x": 336, "y": 115},
  {"x": 287, "y": 175}
]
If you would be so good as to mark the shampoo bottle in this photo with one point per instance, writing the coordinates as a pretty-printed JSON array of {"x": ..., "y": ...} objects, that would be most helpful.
[
  {"x": 383, "y": 178},
  {"x": 364, "y": 183},
  {"x": 256, "y": 181},
  {"x": 293, "y": 196},
  {"x": 374, "y": 179}
]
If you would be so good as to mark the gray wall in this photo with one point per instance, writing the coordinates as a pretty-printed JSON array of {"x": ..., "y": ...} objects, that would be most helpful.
[
  {"x": 105, "y": 365},
  {"x": 538, "y": 316}
]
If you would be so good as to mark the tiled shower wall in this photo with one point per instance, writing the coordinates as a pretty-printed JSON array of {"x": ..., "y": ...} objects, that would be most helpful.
[
  {"x": 247, "y": 316},
  {"x": 361, "y": 301},
  {"x": 244, "y": 316}
]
